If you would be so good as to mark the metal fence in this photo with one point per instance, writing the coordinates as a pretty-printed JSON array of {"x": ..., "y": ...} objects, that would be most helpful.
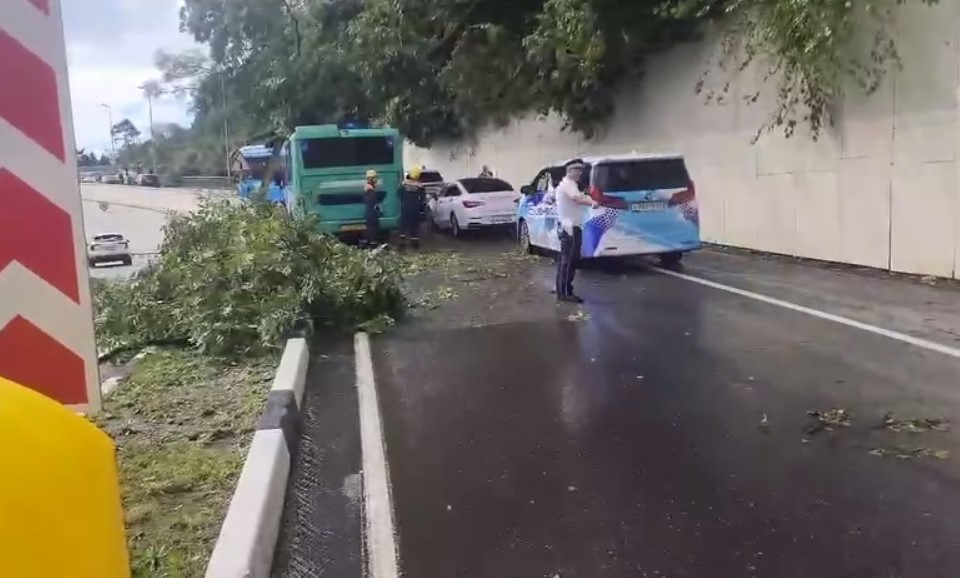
[{"x": 222, "y": 183}]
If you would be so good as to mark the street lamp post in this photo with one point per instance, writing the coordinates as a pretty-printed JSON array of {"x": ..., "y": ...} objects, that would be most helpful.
[
  {"x": 226, "y": 126},
  {"x": 113, "y": 142},
  {"x": 151, "y": 90}
]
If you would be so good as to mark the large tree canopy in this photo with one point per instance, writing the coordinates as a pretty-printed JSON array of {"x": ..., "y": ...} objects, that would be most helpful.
[{"x": 440, "y": 69}]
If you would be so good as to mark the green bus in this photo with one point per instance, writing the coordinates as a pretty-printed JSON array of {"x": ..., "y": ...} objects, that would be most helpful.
[{"x": 324, "y": 171}]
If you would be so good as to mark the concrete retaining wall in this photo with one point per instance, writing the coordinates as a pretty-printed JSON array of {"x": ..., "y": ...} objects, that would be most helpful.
[{"x": 880, "y": 188}]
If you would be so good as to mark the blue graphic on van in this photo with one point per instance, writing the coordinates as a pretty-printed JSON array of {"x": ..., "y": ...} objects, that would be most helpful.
[{"x": 594, "y": 229}]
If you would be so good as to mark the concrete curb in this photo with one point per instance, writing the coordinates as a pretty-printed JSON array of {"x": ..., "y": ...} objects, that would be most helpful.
[
  {"x": 380, "y": 538},
  {"x": 249, "y": 533},
  {"x": 110, "y": 385}
]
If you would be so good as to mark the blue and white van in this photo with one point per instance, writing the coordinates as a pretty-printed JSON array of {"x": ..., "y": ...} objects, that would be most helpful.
[{"x": 648, "y": 206}]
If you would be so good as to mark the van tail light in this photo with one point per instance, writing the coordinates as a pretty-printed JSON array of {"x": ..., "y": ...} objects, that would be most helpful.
[
  {"x": 606, "y": 200},
  {"x": 595, "y": 193},
  {"x": 685, "y": 196},
  {"x": 472, "y": 204}
]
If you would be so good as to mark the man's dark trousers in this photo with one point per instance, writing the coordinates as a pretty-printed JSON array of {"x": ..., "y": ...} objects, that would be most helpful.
[
  {"x": 372, "y": 235},
  {"x": 568, "y": 260},
  {"x": 410, "y": 223}
]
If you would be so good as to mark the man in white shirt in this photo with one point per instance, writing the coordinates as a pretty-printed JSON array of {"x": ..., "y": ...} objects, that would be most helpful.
[{"x": 570, "y": 212}]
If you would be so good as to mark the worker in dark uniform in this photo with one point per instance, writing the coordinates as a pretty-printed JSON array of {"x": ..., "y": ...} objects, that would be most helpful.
[
  {"x": 371, "y": 209},
  {"x": 412, "y": 197}
]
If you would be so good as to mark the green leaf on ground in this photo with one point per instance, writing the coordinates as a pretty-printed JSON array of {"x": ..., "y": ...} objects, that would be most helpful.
[{"x": 906, "y": 453}]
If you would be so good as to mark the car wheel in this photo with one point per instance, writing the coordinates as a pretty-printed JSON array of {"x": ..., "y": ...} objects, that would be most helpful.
[
  {"x": 454, "y": 225},
  {"x": 671, "y": 259},
  {"x": 434, "y": 226},
  {"x": 523, "y": 236}
]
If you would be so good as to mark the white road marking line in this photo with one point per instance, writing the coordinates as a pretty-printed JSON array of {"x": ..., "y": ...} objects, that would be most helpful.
[
  {"x": 379, "y": 530},
  {"x": 917, "y": 341}
]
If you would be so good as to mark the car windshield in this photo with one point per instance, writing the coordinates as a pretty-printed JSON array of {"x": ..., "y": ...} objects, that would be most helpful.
[
  {"x": 641, "y": 175},
  {"x": 108, "y": 238},
  {"x": 257, "y": 168},
  {"x": 478, "y": 185},
  {"x": 430, "y": 177},
  {"x": 359, "y": 151}
]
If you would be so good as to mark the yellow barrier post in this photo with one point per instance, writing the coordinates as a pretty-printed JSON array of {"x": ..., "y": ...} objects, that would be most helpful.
[{"x": 60, "y": 509}]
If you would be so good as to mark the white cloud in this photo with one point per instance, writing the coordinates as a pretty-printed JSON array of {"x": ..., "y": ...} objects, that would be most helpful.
[{"x": 110, "y": 50}]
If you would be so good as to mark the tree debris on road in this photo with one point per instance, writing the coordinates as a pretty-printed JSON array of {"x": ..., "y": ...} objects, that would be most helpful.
[
  {"x": 906, "y": 454},
  {"x": 827, "y": 420},
  {"x": 915, "y": 425}
]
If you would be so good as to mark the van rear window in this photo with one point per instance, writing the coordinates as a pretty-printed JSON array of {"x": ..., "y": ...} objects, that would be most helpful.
[{"x": 641, "y": 175}]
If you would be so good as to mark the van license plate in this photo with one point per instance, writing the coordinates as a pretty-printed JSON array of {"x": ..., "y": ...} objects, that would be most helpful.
[
  {"x": 353, "y": 227},
  {"x": 648, "y": 207}
]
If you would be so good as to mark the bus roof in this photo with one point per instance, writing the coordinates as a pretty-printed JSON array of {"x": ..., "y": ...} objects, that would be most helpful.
[
  {"x": 255, "y": 151},
  {"x": 332, "y": 130}
]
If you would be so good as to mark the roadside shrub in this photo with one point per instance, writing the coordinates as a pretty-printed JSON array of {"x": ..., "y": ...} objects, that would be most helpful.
[{"x": 232, "y": 278}]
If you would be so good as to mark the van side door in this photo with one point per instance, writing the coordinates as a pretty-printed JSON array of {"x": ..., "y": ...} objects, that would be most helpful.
[{"x": 539, "y": 210}]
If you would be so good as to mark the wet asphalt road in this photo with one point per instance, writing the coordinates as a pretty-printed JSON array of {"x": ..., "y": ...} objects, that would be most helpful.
[{"x": 664, "y": 433}]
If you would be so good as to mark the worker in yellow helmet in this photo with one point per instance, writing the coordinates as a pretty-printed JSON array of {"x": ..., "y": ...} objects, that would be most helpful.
[
  {"x": 372, "y": 194},
  {"x": 412, "y": 198}
]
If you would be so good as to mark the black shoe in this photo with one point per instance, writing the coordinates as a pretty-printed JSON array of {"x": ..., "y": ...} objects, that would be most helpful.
[{"x": 569, "y": 299}]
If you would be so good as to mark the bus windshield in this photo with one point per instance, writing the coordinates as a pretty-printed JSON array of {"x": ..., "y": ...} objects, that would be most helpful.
[
  {"x": 256, "y": 168},
  {"x": 362, "y": 151}
]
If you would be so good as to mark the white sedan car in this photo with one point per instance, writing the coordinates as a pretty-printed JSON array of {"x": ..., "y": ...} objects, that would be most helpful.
[
  {"x": 109, "y": 248},
  {"x": 474, "y": 203}
]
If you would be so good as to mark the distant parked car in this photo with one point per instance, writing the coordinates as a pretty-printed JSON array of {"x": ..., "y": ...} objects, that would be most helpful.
[
  {"x": 109, "y": 248},
  {"x": 148, "y": 180},
  {"x": 474, "y": 203},
  {"x": 112, "y": 179}
]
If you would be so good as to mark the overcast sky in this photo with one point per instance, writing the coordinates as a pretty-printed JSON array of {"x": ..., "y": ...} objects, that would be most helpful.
[{"x": 110, "y": 48}]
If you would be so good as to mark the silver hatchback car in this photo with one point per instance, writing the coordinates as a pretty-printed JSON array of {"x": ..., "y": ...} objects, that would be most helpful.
[{"x": 109, "y": 248}]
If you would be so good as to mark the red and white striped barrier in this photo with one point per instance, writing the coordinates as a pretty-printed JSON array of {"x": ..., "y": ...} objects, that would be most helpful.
[{"x": 46, "y": 321}]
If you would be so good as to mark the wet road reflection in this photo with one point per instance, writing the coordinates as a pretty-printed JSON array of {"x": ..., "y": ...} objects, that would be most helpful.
[{"x": 664, "y": 436}]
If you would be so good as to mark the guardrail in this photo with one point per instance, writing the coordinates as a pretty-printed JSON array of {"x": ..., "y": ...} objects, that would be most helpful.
[{"x": 224, "y": 183}]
